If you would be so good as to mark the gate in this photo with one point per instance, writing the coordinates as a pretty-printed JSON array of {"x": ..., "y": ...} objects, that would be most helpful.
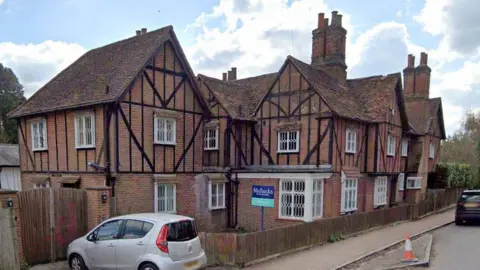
[
  {"x": 51, "y": 219},
  {"x": 8, "y": 243}
]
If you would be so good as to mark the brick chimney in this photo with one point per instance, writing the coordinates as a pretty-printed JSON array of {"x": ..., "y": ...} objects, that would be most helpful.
[
  {"x": 224, "y": 76},
  {"x": 417, "y": 79},
  {"x": 232, "y": 74},
  {"x": 144, "y": 31},
  {"x": 328, "y": 47},
  {"x": 138, "y": 32}
]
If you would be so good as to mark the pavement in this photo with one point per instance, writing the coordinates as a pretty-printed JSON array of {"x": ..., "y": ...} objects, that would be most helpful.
[
  {"x": 392, "y": 259},
  {"x": 456, "y": 247},
  {"x": 331, "y": 256}
]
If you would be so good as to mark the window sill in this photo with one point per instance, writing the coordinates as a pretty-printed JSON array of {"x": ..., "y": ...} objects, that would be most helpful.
[
  {"x": 210, "y": 149},
  {"x": 40, "y": 150},
  {"x": 216, "y": 208},
  {"x": 167, "y": 212},
  {"x": 288, "y": 152},
  {"x": 348, "y": 212},
  {"x": 380, "y": 206},
  {"x": 390, "y": 155},
  {"x": 415, "y": 188},
  {"x": 430, "y": 157},
  {"x": 404, "y": 155},
  {"x": 165, "y": 144},
  {"x": 290, "y": 219},
  {"x": 85, "y": 147},
  {"x": 350, "y": 152}
]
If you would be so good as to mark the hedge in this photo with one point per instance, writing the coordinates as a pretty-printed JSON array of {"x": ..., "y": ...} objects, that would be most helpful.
[{"x": 454, "y": 174}]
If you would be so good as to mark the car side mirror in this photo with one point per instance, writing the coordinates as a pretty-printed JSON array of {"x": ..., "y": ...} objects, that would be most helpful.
[{"x": 93, "y": 237}]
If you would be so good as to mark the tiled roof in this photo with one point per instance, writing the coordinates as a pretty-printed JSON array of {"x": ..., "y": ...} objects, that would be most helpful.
[
  {"x": 422, "y": 123},
  {"x": 365, "y": 99},
  {"x": 9, "y": 155},
  {"x": 239, "y": 97},
  {"x": 85, "y": 81}
]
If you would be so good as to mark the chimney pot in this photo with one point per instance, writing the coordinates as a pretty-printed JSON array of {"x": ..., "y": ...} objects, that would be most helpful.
[
  {"x": 224, "y": 76},
  {"x": 230, "y": 76},
  {"x": 321, "y": 20},
  {"x": 325, "y": 22},
  {"x": 423, "y": 59},
  {"x": 138, "y": 32},
  {"x": 144, "y": 31},
  {"x": 335, "y": 18},
  {"x": 234, "y": 74},
  {"x": 411, "y": 61}
]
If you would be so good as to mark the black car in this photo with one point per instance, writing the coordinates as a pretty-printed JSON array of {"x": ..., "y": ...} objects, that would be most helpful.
[{"x": 468, "y": 207}]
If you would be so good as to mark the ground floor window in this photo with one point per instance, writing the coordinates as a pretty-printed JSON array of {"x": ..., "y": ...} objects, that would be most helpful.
[
  {"x": 165, "y": 198},
  {"x": 216, "y": 195},
  {"x": 317, "y": 207},
  {"x": 380, "y": 195},
  {"x": 349, "y": 194},
  {"x": 414, "y": 182},
  {"x": 292, "y": 199}
]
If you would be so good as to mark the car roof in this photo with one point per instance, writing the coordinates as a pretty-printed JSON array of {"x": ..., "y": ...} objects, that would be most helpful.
[
  {"x": 155, "y": 217},
  {"x": 471, "y": 190}
]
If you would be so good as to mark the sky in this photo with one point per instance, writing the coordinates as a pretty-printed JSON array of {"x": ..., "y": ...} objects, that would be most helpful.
[{"x": 38, "y": 39}]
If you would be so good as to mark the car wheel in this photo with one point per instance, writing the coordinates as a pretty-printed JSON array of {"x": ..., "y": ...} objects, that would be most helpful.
[
  {"x": 458, "y": 222},
  {"x": 77, "y": 263},
  {"x": 149, "y": 266}
]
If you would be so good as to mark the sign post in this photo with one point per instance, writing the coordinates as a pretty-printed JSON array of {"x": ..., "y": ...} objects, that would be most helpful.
[{"x": 263, "y": 196}]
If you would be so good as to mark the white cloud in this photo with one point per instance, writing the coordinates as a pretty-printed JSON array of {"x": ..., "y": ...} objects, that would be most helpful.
[
  {"x": 256, "y": 36},
  {"x": 453, "y": 115},
  {"x": 1, "y": 2},
  {"x": 36, "y": 64},
  {"x": 461, "y": 79}
]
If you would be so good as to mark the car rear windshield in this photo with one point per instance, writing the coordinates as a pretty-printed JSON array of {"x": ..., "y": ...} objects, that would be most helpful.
[
  {"x": 470, "y": 197},
  {"x": 181, "y": 231}
]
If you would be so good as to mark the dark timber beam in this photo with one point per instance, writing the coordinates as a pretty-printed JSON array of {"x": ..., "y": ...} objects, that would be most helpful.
[
  {"x": 125, "y": 121},
  {"x": 316, "y": 147},
  {"x": 25, "y": 143},
  {"x": 155, "y": 90},
  {"x": 189, "y": 144},
  {"x": 166, "y": 71},
  {"x": 175, "y": 90},
  {"x": 270, "y": 159},
  {"x": 361, "y": 148}
]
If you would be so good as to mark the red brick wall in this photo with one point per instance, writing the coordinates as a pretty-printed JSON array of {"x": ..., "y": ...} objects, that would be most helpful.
[
  {"x": 97, "y": 210},
  {"x": 86, "y": 180}
]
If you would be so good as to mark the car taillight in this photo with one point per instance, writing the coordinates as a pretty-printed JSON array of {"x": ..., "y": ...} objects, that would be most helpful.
[
  {"x": 460, "y": 204},
  {"x": 162, "y": 243}
]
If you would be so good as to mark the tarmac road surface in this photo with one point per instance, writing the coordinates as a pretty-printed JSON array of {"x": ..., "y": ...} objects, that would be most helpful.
[{"x": 456, "y": 247}]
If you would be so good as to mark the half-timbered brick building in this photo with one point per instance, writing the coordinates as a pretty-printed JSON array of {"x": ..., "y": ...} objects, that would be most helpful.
[
  {"x": 328, "y": 145},
  {"x": 131, "y": 116}
]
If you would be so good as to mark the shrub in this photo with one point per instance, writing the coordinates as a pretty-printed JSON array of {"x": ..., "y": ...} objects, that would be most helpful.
[
  {"x": 454, "y": 175},
  {"x": 335, "y": 237}
]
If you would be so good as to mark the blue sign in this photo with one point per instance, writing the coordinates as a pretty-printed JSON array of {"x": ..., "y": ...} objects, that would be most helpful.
[{"x": 263, "y": 196}]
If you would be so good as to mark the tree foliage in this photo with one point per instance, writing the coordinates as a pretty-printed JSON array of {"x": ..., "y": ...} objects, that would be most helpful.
[
  {"x": 11, "y": 95},
  {"x": 464, "y": 145},
  {"x": 454, "y": 174}
]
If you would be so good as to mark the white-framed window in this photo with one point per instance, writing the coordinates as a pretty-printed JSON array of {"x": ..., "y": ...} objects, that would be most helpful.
[
  {"x": 404, "y": 147},
  {"x": 414, "y": 182},
  {"x": 401, "y": 181},
  {"x": 42, "y": 185},
  {"x": 351, "y": 141},
  {"x": 390, "y": 145},
  {"x": 288, "y": 141},
  {"x": 39, "y": 134},
  {"x": 211, "y": 138},
  {"x": 432, "y": 150},
  {"x": 216, "y": 195},
  {"x": 164, "y": 130},
  {"x": 85, "y": 130},
  {"x": 317, "y": 206},
  {"x": 349, "y": 194},
  {"x": 292, "y": 199},
  {"x": 380, "y": 195},
  {"x": 165, "y": 198}
]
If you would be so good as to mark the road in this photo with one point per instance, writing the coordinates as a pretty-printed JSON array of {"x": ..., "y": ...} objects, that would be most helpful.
[{"x": 456, "y": 247}]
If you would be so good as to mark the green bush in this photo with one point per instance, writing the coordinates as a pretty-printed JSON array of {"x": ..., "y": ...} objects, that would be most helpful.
[
  {"x": 455, "y": 175},
  {"x": 335, "y": 237}
]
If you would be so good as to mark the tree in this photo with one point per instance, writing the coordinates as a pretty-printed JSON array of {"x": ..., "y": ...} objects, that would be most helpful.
[
  {"x": 11, "y": 95},
  {"x": 464, "y": 145}
]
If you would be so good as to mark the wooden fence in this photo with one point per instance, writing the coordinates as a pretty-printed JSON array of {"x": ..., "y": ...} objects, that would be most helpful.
[
  {"x": 238, "y": 249},
  {"x": 438, "y": 199},
  {"x": 8, "y": 244},
  {"x": 51, "y": 219}
]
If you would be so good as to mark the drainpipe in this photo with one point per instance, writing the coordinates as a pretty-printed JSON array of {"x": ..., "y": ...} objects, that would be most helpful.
[{"x": 237, "y": 183}]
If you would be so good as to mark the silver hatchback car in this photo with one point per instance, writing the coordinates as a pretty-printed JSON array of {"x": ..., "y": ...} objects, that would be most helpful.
[{"x": 149, "y": 241}]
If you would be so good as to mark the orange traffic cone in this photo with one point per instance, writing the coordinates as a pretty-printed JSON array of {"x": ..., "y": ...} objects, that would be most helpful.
[{"x": 408, "y": 254}]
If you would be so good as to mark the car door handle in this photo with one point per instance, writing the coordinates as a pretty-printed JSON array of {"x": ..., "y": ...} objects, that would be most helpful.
[
  {"x": 140, "y": 244},
  {"x": 111, "y": 245}
]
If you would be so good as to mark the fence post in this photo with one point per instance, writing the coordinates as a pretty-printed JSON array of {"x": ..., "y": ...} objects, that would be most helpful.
[
  {"x": 14, "y": 238},
  {"x": 434, "y": 202}
]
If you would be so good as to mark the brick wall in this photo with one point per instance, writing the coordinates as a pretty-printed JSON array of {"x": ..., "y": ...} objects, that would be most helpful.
[
  {"x": 86, "y": 180},
  {"x": 98, "y": 211}
]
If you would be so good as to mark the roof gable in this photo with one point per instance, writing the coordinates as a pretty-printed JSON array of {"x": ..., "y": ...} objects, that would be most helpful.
[{"x": 102, "y": 75}]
